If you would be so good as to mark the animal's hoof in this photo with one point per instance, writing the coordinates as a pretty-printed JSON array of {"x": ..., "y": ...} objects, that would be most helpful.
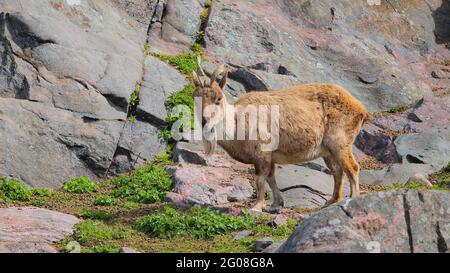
[{"x": 274, "y": 210}]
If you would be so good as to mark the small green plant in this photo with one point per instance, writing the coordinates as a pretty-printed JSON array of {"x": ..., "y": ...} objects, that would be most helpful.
[
  {"x": 94, "y": 232},
  {"x": 105, "y": 249},
  {"x": 134, "y": 97},
  {"x": 43, "y": 192},
  {"x": 447, "y": 168},
  {"x": 204, "y": 16},
  {"x": 148, "y": 184},
  {"x": 398, "y": 109},
  {"x": 199, "y": 223},
  {"x": 163, "y": 159},
  {"x": 130, "y": 205},
  {"x": 80, "y": 184},
  {"x": 200, "y": 38},
  {"x": 169, "y": 224},
  {"x": 146, "y": 49},
  {"x": 415, "y": 185},
  {"x": 196, "y": 49},
  {"x": 208, "y": 4},
  {"x": 96, "y": 215},
  {"x": 183, "y": 97},
  {"x": 13, "y": 190},
  {"x": 132, "y": 118},
  {"x": 38, "y": 203},
  {"x": 185, "y": 62},
  {"x": 104, "y": 200}
]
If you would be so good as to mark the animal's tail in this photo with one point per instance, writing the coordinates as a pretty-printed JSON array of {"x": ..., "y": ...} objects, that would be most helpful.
[{"x": 367, "y": 118}]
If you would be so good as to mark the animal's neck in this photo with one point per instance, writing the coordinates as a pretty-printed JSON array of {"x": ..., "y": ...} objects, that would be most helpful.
[{"x": 226, "y": 143}]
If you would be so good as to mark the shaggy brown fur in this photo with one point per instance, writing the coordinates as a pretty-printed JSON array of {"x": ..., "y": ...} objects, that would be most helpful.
[{"x": 316, "y": 120}]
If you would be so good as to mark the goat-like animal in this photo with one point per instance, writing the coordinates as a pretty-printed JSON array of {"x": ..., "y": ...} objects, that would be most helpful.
[{"x": 315, "y": 120}]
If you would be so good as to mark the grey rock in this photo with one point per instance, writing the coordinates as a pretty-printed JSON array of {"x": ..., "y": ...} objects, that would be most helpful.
[
  {"x": 303, "y": 187},
  {"x": 394, "y": 174},
  {"x": 263, "y": 243},
  {"x": 389, "y": 222},
  {"x": 274, "y": 247},
  {"x": 160, "y": 80},
  {"x": 242, "y": 234},
  {"x": 139, "y": 143},
  {"x": 36, "y": 138},
  {"x": 421, "y": 179},
  {"x": 430, "y": 147},
  {"x": 278, "y": 221},
  {"x": 354, "y": 57},
  {"x": 128, "y": 250}
]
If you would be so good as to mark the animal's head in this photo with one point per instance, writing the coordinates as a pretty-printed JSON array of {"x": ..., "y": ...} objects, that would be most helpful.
[{"x": 213, "y": 101}]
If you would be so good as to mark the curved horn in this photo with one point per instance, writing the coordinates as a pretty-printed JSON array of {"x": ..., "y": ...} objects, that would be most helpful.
[
  {"x": 216, "y": 73},
  {"x": 199, "y": 67}
]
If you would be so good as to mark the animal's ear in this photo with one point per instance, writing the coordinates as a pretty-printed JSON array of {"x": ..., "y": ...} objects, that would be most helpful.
[
  {"x": 197, "y": 81},
  {"x": 224, "y": 79}
]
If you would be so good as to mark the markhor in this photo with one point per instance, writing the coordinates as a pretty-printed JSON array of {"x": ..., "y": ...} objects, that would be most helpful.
[{"x": 185, "y": 263}]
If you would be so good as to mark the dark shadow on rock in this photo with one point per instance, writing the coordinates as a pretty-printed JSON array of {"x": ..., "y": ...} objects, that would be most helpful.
[{"x": 441, "y": 18}]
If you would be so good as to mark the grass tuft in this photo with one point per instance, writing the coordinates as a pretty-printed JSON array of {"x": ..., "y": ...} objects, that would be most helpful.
[
  {"x": 198, "y": 223},
  {"x": 80, "y": 184},
  {"x": 148, "y": 184},
  {"x": 13, "y": 190}
]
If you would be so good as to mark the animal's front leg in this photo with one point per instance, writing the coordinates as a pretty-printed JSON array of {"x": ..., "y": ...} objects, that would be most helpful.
[
  {"x": 260, "y": 193},
  {"x": 278, "y": 202}
]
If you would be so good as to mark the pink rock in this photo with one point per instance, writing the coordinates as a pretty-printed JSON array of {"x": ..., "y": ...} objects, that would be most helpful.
[
  {"x": 421, "y": 179},
  {"x": 33, "y": 230},
  {"x": 211, "y": 186},
  {"x": 278, "y": 221}
]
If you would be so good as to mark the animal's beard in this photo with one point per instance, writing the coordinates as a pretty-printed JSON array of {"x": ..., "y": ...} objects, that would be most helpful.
[
  {"x": 209, "y": 146},
  {"x": 210, "y": 141}
]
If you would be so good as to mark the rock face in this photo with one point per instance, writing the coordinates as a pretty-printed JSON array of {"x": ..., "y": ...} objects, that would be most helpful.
[
  {"x": 68, "y": 69},
  {"x": 339, "y": 41},
  {"x": 67, "y": 72},
  {"x": 33, "y": 230},
  {"x": 396, "y": 221}
]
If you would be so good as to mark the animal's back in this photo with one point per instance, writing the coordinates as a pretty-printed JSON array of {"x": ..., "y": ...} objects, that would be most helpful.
[{"x": 308, "y": 113}]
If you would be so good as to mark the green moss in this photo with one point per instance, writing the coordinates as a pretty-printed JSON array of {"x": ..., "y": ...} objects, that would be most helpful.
[
  {"x": 148, "y": 184},
  {"x": 398, "y": 109},
  {"x": 13, "y": 190},
  {"x": 415, "y": 185},
  {"x": 104, "y": 200},
  {"x": 79, "y": 185}
]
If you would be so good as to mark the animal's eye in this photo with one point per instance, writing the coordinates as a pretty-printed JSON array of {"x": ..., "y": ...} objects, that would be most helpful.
[{"x": 219, "y": 100}]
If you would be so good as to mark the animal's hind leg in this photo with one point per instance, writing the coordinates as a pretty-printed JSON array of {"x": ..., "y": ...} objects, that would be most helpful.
[
  {"x": 351, "y": 169},
  {"x": 278, "y": 202},
  {"x": 338, "y": 175}
]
